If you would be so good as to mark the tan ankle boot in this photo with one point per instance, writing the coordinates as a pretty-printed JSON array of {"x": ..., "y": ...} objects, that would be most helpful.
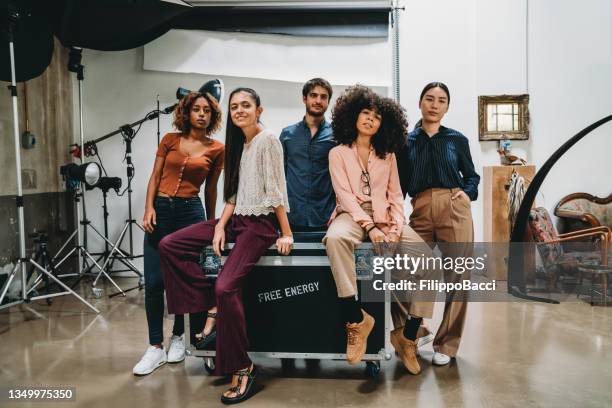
[
  {"x": 406, "y": 349},
  {"x": 357, "y": 338}
]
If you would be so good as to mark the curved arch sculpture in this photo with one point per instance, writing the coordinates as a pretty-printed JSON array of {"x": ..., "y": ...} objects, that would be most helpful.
[{"x": 516, "y": 276}]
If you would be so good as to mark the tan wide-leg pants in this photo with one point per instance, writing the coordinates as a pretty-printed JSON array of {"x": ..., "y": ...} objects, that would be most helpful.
[
  {"x": 344, "y": 234},
  {"x": 438, "y": 219}
]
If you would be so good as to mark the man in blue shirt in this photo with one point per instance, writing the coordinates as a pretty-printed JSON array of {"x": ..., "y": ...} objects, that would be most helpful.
[{"x": 306, "y": 146}]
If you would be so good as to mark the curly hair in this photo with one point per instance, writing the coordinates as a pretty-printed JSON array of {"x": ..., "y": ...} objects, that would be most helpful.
[
  {"x": 183, "y": 110},
  {"x": 391, "y": 135}
]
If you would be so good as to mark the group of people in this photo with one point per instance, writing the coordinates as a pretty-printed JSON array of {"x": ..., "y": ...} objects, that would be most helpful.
[{"x": 348, "y": 177}]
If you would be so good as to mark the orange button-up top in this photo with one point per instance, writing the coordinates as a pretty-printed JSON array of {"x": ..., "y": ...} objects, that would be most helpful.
[
  {"x": 182, "y": 175},
  {"x": 385, "y": 196}
]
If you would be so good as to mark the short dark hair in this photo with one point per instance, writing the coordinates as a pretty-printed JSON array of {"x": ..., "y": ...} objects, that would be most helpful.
[
  {"x": 391, "y": 135},
  {"x": 308, "y": 86},
  {"x": 183, "y": 110},
  {"x": 432, "y": 85}
]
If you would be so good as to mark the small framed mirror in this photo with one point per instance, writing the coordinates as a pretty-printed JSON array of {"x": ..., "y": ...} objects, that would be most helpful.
[{"x": 503, "y": 117}]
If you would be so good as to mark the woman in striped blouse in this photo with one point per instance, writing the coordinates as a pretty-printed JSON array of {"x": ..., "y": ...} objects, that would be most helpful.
[{"x": 436, "y": 170}]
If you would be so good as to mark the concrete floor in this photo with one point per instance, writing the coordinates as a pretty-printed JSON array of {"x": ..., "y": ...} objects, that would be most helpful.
[{"x": 513, "y": 354}]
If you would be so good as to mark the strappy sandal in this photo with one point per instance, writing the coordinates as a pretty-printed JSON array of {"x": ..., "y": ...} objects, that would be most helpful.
[
  {"x": 249, "y": 390},
  {"x": 205, "y": 340}
]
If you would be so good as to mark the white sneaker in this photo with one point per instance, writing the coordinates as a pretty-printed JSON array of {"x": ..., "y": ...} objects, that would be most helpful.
[
  {"x": 425, "y": 340},
  {"x": 440, "y": 359},
  {"x": 154, "y": 357},
  {"x": 176, "y": 351}
]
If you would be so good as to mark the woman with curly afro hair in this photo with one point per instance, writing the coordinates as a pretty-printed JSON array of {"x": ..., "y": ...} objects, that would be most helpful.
[
  {"x": 185, "y": 160},
  {"x": 370, "y": 129}
]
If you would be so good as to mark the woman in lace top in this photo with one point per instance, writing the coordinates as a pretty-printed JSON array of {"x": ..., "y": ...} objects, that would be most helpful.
[{"x": 256, "y": 207}]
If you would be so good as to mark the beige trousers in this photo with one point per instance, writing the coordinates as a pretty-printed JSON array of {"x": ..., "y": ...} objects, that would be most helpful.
[
  {"x": 344, "y": 234},
  {"x": 440, "y": 220}
]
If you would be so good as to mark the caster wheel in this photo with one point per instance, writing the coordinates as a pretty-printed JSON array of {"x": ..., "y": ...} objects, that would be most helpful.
[
  {"x": 288, "y": 364},
  {"x": 372, "y": 369},
  {"x": 141, "y": 281},
  {"x": 209, "y": 364},
  {"x": 49, "y": 301},
  {"x": 97, "y": 292}
]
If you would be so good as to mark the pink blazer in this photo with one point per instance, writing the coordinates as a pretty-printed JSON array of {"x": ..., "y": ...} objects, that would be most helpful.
[{"x": 386, "y": 195}]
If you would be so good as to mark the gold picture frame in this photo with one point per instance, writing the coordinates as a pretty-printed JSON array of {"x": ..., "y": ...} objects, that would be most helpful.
[{"x": 518, "y": 117}]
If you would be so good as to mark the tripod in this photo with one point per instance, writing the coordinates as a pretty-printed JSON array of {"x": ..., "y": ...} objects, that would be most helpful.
[
  {"x": 41, "y": 256},
  {"x": 23, "y": 260},
  {"x": 121, "y": 256},
  {"x": 82, "y": 251},
  {"x": 128, "y": 135}
]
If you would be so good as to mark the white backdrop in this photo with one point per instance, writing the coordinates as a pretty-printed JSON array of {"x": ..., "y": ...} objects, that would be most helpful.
[{"x": 342, "y": 61}]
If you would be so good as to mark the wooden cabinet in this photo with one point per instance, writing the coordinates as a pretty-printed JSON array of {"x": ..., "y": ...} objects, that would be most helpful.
[{"x": 496, "y": 180}]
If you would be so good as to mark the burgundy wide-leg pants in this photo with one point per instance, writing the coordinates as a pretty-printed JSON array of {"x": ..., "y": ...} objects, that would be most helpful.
[{"x": 187, "y": 290}]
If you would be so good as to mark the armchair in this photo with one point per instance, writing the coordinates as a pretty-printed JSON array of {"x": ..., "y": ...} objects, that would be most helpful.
[
  {"x": 582, "y": 210},
  {"x": 557, "y": 261}
]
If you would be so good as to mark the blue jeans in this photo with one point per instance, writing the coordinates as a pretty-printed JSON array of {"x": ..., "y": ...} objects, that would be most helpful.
[{"x": 172, "y": 214}]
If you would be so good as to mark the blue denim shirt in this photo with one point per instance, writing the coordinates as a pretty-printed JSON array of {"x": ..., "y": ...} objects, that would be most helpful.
[{"x": 311, "y": 195}]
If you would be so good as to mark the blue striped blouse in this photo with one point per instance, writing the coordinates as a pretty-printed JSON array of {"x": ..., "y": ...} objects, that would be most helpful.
[{"x": 440, "y": 161}]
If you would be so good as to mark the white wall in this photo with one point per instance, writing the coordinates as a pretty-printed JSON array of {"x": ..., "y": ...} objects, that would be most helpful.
[
  {"x": 570, "y": 80},
  {"x": 474, "y": 46},
  {"x": 438, "y": 43},
  {"x": 559, "y": 51},
  {"x": 501, "y": 61}
]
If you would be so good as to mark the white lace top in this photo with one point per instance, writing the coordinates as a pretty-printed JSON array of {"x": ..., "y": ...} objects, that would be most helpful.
[{"x": 261, "y": 184}]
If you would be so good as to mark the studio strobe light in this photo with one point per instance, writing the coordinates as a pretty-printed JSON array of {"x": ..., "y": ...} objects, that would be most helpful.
[{"x": 88, "y": 173}]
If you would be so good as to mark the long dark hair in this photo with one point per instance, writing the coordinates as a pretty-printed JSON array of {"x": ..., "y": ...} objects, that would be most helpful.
[
  {"x": 234, "y": 144},
  {"x": 391, "y": 135}
]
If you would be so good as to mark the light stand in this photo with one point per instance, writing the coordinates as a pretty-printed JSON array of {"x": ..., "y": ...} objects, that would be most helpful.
[
  {"x": 74, "y": 65},
  {"x": 109, "y": 254},
  {"x": 128, "y": 135},
  {"x": 23, "y": 260}
]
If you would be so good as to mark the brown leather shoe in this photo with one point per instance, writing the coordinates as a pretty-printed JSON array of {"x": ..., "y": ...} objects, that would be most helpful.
[
  {"x": 406, "y": 349},
  {"x": 357, "y": 338}
]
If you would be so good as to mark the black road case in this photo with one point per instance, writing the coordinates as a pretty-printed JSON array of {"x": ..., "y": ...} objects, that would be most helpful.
[{"x": 292, "y": 308}]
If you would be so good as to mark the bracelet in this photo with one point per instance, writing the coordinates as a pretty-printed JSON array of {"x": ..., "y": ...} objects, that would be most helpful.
[{"x": 370, "y": 229}]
